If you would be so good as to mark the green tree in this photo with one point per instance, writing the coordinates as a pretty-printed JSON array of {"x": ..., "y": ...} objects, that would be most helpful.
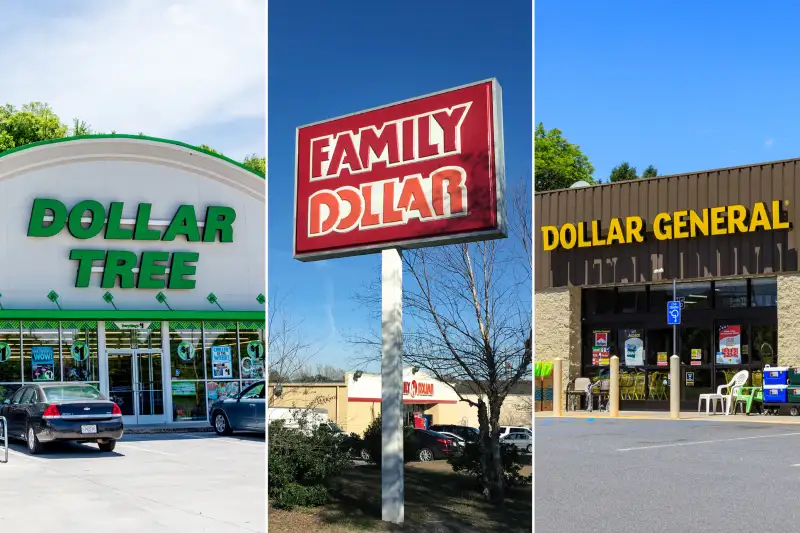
[
  {"x": 650, "y": 172},
  {"x": 207, "y": 148},
  {"x": 559, "y": 163},
  {"x": 32, "y": 123},
  {"x": 79, "y": 128},
  {"x": 622, "y": 172},
  {"x": 253, "y": 162}
]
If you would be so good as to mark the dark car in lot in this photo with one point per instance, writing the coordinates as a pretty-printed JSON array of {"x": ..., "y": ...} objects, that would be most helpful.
[
  {"x": 432, "y": 445},
  {"x": 468, "y": 433},
  {"x": 48, "y": 412},
  {"x": 244, "y": 412}
]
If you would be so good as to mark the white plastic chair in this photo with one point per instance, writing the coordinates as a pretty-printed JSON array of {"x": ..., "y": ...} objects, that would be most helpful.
[{"x": 736, "y": 383}]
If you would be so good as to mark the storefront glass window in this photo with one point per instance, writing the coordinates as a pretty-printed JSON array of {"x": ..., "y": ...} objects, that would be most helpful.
[
  {"x": 149, "y": 339},
  {"x": 599, "y": 301},
  {"x": 695, "y": 295},
  {"x": 41, "y": 354},
  {"x": 186, "y": 353},
  {"x": 731, "y": 345},
  {"x": 730, "y": 294},
  {"x": 188, "y": 400},
  {"x": 659, "y": 296},
  {"x": 695, "y": 346},
  {"x": 79, "y": 350},
  {"x": 765, "y": 344},
  {"x": 252, "y": 355},
  {"x": 764, "y": 292},
  {"x": 632, "y": 299},
  {"x": 659, "y": 347},
  {"x": 10, "y": 364}
]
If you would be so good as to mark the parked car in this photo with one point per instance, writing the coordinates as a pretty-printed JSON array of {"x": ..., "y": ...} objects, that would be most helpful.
[
  {"x": 432, "y": 445},
  {"x": 468, "y": 433},
  {"x": 507, "y": 430},
  {"x": 522, "y": 441},
  {"x": 43, "y": 413},
  {"x": 458, "y": 441},
  {"x": 245, "y": 412}
]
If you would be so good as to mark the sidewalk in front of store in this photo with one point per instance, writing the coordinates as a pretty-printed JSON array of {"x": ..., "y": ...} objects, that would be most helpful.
[
  {"x": 182, "y": 427},
  {"x": 664, "y": 415}
]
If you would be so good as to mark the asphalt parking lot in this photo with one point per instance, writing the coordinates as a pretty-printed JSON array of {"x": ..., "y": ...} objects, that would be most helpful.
[
  {"x": 156, "y": 483},
  {"x": 666, "y": 476}
]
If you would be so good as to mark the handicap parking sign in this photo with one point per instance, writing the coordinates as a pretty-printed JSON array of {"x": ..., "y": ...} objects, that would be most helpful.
[{"x": 674, "y": 313}]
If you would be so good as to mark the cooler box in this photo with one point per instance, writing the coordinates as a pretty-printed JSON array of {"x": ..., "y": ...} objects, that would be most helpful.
[
  {"x": 793, "y": 394},
  {"x": 775, "y": 393},
  {"x": 794, "y": 376},
  {"x": 776, "y": 375}
]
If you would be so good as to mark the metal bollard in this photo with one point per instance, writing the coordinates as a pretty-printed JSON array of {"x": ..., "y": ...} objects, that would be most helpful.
[
  {"x": 613, "y": 392},
  {"x": 4, "y": 427},
  {"x": 558, "y": 374},
  {"x": 675, "y": 387}
]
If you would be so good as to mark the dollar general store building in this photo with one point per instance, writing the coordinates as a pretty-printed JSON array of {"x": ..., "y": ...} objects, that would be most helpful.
[
  {"x": 134, "y": 264},
  {"x": 609, "y": 253}
]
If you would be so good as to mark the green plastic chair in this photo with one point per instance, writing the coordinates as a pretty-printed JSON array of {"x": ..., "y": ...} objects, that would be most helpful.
[{"x": 748, "y": 395}]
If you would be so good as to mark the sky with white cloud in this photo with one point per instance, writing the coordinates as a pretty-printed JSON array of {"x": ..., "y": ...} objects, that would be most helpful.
[{"x": 178, "y": 69}]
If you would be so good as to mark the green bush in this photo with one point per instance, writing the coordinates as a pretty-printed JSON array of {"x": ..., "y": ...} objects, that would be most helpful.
[
  {"x": 469, "y": 463},
  {"x": 296, "y": 495},
  {"x": 372, "y": 443},
  {"x": 301, "y": 463}
]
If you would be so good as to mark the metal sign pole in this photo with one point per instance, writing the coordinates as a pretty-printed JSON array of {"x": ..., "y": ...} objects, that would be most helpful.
[
  {"x": 674, "y": 326},
  {"x": 392, "y": 482}
]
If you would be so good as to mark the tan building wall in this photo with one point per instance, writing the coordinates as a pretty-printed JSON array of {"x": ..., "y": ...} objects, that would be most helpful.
[
  {"x": 788, "y": 319},
  {"x": 330, "y": 396},
  {"x": 558, "y": 329},
  {"x": 516, "y": 411},
  {"x": 355, "y": 417}
]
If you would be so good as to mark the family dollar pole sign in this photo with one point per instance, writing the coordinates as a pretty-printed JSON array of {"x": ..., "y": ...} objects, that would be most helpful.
[
  {"x": 416, "y": 173},
  {"x": 424, "y": 171}
]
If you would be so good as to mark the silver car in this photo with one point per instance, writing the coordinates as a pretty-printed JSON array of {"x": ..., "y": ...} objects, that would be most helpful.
[
  {"x": 522, "y": 441},
  {"x": 245, "y": 412}
]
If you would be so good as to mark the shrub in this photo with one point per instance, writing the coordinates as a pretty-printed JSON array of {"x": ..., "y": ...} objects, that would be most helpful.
[
  {"x": 301, "y": 463},
  {"x": 469, "y": 463},
  {"x": 372, "y": 443}
]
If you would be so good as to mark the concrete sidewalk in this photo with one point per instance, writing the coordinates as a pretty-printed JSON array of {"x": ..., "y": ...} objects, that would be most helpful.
[
  {"x": 664, "y": 415},
  {"x": 184, "y": 427}
]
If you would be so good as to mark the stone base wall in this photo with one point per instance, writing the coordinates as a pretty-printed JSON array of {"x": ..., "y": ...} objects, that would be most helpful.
[
  {"x": 788, "y": 319},
  {"x": 557, "y": 318}
]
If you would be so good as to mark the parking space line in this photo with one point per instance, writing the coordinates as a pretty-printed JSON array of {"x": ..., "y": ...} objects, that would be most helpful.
[
  {"x": 695, "y": 443},
  {"x": 143, "y": 449}
]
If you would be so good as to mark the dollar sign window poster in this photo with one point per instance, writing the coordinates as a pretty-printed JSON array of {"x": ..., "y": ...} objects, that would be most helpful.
[
  {"x": 185, "y": 351},
  {"x": 79, "y": 351},
  {"x": 5, "y": 352},
  {"x": 252, "y": 365}
]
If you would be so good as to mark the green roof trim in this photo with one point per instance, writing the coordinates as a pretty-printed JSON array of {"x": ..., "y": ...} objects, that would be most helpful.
[
  {"x": 154, "y": 315},
  {"x": 128, "y": 136}
]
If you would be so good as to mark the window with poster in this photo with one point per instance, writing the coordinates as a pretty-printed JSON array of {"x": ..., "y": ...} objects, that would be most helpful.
[
  {"x": 633, "y": 347},
  {"x": 602, "y": 347}
]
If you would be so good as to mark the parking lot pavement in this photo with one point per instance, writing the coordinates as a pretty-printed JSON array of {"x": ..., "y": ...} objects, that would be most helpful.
[
  {"x": 155, "y": 483},
  {"x": 665, "y": 476}
]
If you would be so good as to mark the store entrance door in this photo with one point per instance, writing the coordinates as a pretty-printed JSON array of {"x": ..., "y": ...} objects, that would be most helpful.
[{"x": 136, "y": 385}]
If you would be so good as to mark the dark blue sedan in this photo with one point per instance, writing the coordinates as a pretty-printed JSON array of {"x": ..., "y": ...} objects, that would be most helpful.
[{"x": 245, "y": 412}]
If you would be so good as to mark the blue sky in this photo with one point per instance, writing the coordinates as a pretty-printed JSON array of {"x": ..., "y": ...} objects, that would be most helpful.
[
  {"x": 332, "y": 58},
  {"x": 685, "y": 86},
  {"x": 179, "y": 69}
]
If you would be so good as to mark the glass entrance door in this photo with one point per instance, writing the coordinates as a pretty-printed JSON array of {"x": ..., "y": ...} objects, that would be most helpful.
[{"x": 136, "y": 385}]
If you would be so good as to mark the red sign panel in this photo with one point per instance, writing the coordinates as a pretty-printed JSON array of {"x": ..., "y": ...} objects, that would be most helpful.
[{"x": 421, "y": 172}]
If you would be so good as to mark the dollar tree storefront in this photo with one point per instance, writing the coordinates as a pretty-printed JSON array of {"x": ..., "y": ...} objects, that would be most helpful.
[
  {"x": 608, "y": 255},
  {"x": 134, "y": 264}
]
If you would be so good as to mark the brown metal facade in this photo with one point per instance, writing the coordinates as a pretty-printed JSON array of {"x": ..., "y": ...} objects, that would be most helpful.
[{"x": 762, "y": 252}]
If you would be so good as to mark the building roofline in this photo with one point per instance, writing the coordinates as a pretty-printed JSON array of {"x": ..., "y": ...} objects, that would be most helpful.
[{"x": 666, "y": 176}]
